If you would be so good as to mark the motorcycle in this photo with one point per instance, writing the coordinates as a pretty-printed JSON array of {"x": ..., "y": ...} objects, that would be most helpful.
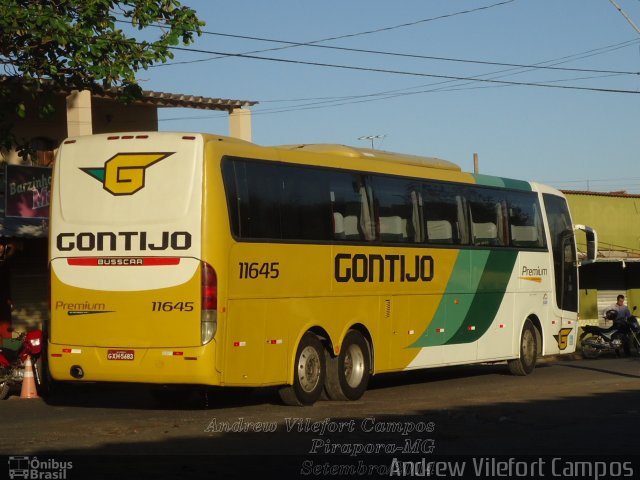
[
  {"x": 620, "y": 336},
  {"x": 13, "y": 357}
]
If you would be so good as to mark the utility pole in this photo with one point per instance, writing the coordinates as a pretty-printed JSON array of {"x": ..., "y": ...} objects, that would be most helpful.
[
  {"x": 371, "y": 137},
  {"x": 625, "y": 16},
  {"x": 476, "y": 164}
]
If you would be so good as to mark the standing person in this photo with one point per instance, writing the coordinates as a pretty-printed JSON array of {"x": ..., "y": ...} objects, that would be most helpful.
[
  {"x": 621, "y": 308},
  {"x": 6, "y": 304}
]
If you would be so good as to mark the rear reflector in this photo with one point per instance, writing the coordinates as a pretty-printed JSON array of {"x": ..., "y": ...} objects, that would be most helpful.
[
  {"x": 209, "y": 303},
  {"x": 209, "y": 287}
]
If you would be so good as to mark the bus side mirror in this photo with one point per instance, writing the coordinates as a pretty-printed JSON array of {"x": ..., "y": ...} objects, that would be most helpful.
[
  {"x": 592, "y": 243},
  {"x": 592, "y": 250}
]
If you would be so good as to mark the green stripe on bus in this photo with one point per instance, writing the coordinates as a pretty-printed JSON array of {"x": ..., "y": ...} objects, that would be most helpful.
[
  {"x": 490, "y": 181},
  {"x": 450, "y": 316},
  {"x": 472, "y": 298},
  {"x": 488, "y": 297}
]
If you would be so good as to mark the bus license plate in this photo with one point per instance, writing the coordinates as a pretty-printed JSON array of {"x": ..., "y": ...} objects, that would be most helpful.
[{"x": 121, "y": 354}]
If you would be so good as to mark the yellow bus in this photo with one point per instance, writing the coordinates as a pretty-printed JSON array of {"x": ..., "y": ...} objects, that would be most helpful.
[{"x": 197, "y": 259}]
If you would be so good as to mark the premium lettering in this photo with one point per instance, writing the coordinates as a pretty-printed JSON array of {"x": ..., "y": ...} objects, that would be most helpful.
[
  {"x": 127, "y": 241},
  {"x": 383, "y": 268},
  {"x": 86, "y": 306},
  {"x": 535, "y": 271}
]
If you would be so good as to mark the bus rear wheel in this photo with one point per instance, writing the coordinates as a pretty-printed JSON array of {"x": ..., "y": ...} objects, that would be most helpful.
[
  {"x": 526, "y": 362},
  {"x": 348, "y": 373},
  {"x": 309, "y": 373}
]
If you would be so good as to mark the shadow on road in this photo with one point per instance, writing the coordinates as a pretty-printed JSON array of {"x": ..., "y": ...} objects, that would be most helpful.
[
  {"x": 267, "y": 437},
  {"x": 592, "y": 365},
  {"x": 236, "y": 448}
]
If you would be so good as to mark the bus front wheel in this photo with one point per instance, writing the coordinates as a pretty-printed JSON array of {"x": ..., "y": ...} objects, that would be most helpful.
[
  {"x": 525, "y": 364},
  {"x": 348, "y": 373},
  {"x": 309, "y": 373}
]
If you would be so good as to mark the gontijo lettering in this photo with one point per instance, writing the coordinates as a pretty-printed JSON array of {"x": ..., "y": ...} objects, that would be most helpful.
[
  {"x": 383, "y": 268},
  {"x": 110, "y": 241}
]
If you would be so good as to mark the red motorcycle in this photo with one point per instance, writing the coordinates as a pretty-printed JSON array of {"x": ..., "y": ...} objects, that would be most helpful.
[{"x": 14, "y": 353}]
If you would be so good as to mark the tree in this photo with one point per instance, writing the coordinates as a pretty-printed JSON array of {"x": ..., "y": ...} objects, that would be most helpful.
[{"x": 48, "y": 47}]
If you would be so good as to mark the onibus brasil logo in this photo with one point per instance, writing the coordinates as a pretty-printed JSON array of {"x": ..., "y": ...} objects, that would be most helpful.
[
  {"x": 124, "y": 173},
  {"x": 34, "y": 468}
]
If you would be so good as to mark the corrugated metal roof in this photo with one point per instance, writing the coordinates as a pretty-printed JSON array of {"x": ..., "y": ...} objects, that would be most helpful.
[
  {"x": 622, "y": 194},
  {"x": 161, "y": 99},
  {"x": 180, "y": 100}
]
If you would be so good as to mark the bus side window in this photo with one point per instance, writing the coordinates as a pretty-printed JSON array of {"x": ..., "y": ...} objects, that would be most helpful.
[
  {"x": 443, "y": 214},
  {"x": 346, "y": 192},
  {"x": 396, "y": 207},
  {"x": 280, "y": 202},
  {"x": 488, "y": 225},
  {"x": 525, "y": 224},
  {"x": 305, "y": 213}
]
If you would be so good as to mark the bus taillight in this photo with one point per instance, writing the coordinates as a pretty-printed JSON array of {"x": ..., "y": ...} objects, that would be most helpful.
[{"x": 209, "y": 314}]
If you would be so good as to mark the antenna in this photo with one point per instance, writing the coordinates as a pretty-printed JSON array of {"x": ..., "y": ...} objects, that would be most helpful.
[{"x": 372, "y": 137}]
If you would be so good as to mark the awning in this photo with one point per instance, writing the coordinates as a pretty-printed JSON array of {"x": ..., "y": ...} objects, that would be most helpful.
[{"x": 24, "y": 228}]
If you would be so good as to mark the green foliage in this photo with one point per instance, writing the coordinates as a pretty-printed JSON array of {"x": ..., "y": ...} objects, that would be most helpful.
[{"x": 49, "y": 46}]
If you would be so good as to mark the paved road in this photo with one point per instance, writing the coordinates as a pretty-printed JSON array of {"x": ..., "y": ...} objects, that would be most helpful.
[{"x": 568, "y": 406}]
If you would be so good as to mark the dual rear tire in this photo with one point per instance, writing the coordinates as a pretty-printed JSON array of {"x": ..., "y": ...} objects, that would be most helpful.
[
  {"x": 344, "y": 377},
  {"x": 348, "y": 373}
]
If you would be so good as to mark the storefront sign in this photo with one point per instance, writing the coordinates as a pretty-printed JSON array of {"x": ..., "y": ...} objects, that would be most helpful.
[{"x": 27, "y": 191}]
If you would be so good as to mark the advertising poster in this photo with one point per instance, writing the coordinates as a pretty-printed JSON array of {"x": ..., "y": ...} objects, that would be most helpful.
[{"x": 27, "y": 192}]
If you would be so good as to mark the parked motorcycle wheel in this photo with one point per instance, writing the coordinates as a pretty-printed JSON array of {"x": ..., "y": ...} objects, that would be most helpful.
[
  {"x": 44, "y": 383},
  {"x": 4, "y": 390},
  {"x": 624, "y": 345},
  {"x": 635, "y": 341},
  {"x": 588, "y": 350}
]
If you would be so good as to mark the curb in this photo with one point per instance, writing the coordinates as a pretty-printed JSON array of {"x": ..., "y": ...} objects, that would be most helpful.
[{"x": 568, "y": 357}]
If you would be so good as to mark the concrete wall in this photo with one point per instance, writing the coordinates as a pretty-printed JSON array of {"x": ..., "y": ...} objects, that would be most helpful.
[
  {"x": 109, "y": 116},
  {"x": 615, "y": 218},
  {"x": 617, "y": 222}
]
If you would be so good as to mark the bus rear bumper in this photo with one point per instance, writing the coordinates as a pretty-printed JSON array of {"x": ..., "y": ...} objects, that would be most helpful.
[{"x": 172, "y": 365}]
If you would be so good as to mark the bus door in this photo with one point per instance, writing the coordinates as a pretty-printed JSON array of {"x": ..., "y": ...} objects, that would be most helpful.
[{"x": 565, "y": 268}]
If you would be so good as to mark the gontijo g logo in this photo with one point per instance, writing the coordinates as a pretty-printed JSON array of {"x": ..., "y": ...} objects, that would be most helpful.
[{"x": 124, "y": 173}]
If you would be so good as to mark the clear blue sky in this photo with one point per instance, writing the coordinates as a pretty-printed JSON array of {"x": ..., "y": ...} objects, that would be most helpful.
[{"x": 569, "y": 138}]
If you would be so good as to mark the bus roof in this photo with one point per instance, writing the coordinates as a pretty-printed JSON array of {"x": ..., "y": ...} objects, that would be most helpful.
[{"x": 371, "y": 154}]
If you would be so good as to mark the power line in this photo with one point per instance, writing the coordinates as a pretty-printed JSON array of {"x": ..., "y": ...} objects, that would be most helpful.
[
  {"x": 349, "y": 35},
  {"x": 328, "y": 102},
  {"x": 394, "y": 54},
  {"x": 452, "y": 78},
  {"x": 555, "y": 61},
  {"x": 627, "y": 18},
  {"x": 348, "y": 100},
  {"x": 401, "y": 72}
]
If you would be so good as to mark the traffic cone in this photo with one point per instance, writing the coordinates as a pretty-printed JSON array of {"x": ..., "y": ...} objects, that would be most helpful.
[{"x": 28, "y": 382}]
